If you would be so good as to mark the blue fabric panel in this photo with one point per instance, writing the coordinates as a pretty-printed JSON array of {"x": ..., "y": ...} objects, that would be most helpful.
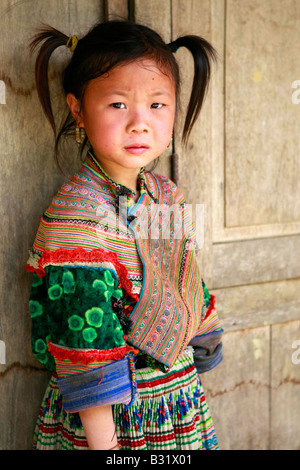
[
  {"x": 205, "y": 361},
  {"x": 110, "y": 384}
]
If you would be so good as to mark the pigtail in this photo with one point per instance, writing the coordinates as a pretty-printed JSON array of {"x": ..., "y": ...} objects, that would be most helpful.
[
  {"x": 51, "y": 38},
  {"x": 203, "y": 54}
]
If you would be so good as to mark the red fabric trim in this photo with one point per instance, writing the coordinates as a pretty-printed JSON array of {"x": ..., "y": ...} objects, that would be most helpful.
[
  {"x": 31, "y": 269},
  {"x": 211, "y": 307},
  {"x": 58, "y": 428},
  {"x": 166, "y": 378},
  {"x": 63, "y": 255},
  {"x": 90, "y": 355}
]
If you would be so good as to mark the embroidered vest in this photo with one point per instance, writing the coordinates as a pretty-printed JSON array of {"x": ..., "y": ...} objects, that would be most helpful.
[{"x": 154, "y": 239}]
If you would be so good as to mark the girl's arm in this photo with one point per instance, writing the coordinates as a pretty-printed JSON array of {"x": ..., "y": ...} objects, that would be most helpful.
[
  {"x": 74, "y": 330},
  {"x": 99, "y": 428}
]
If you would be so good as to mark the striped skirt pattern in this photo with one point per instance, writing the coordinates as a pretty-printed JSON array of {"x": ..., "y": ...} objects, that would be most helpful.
[{"x": 170, "y": 413}]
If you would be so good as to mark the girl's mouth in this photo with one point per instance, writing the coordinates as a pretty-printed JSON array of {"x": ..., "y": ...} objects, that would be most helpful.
[{"x": 137, "y": 149}]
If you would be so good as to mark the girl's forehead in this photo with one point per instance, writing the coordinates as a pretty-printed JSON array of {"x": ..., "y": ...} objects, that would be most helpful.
[{"x": 144, "y": 73}]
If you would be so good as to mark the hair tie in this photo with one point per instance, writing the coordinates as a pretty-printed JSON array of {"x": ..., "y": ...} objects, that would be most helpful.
[
  {"x": 72, "y": 43},
  {"x": 173, "y": 46}
]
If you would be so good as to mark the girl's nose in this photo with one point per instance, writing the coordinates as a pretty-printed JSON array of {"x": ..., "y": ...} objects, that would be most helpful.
[{"x": 137, "y": 123}]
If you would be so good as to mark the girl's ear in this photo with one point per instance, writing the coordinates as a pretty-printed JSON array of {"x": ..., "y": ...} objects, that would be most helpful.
[{"x": 75, "y": 108}]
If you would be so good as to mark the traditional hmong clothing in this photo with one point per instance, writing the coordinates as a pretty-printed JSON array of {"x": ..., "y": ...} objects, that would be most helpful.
[{"x": 120, "y": 314}]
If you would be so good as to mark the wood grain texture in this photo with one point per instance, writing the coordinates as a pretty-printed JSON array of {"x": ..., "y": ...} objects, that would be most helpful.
[
  {"x": 116, "y": 9},
  {"x": 237, "y": 391},
  {"x": 254, "y": 305},
  {"x": 194, "y": 160},
  {"x": 251, "y": 261},
  {"x": 262, "y": 159},
  {"x": 285, "y": 387},
  {"x": 255, "y": 145}
]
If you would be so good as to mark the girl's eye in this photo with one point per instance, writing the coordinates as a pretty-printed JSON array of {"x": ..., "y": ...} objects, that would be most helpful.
[
  {"x": 157, "y": 105},
  {"x": 118, "y": 105}
]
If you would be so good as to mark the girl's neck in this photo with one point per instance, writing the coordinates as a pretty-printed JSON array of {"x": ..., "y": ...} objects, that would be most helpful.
[{"x": 127, "y": 177}]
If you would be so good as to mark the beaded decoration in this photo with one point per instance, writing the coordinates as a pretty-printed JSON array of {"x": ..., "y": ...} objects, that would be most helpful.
[{"x": 80, "y": 135}]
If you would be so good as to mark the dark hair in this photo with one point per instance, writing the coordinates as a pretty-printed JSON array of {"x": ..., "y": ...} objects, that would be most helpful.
[{"x": 109, "y": 44}]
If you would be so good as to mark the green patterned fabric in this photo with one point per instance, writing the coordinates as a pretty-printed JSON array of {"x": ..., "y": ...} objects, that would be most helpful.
[
  {"x": 73, "y": 307},
  {"x": 206, "y": 294}
]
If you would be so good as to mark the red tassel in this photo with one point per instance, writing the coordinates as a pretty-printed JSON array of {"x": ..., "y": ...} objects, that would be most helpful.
[{"x": 31, "y": 269}]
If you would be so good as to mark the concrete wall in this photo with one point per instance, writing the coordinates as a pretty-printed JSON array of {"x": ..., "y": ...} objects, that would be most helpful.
[{"x": 241, "y": 165}]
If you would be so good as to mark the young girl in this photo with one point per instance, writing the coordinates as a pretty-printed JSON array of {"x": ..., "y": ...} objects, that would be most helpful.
[{"x": 120, "y": 313}]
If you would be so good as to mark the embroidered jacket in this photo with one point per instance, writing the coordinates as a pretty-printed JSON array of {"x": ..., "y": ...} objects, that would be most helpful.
[{"x": 115, "y": 280}]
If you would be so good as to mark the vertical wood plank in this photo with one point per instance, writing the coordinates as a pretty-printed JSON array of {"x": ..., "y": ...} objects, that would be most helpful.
[
  {"x": 262, "y": 122},
  {"x": 218, "y": 123},
  {"x": 194, "y": 161},
  {"x": 155, "y": 14},
  {"x": 285, "y": 383},
  {"x": 21, "y": 393},
  {"x": 116, "y": 9},
  {"x": 237, "y": 391}
]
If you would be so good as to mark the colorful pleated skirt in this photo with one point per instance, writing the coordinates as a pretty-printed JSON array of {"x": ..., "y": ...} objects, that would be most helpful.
[{"x": 170, "y": 413}]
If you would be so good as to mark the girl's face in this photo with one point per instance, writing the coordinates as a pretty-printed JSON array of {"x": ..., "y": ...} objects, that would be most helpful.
[{"x": 128, "y": 115}]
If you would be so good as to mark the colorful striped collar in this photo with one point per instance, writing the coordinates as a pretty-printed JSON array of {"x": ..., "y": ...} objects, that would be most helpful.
[{"x": 118, "y": 188}]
